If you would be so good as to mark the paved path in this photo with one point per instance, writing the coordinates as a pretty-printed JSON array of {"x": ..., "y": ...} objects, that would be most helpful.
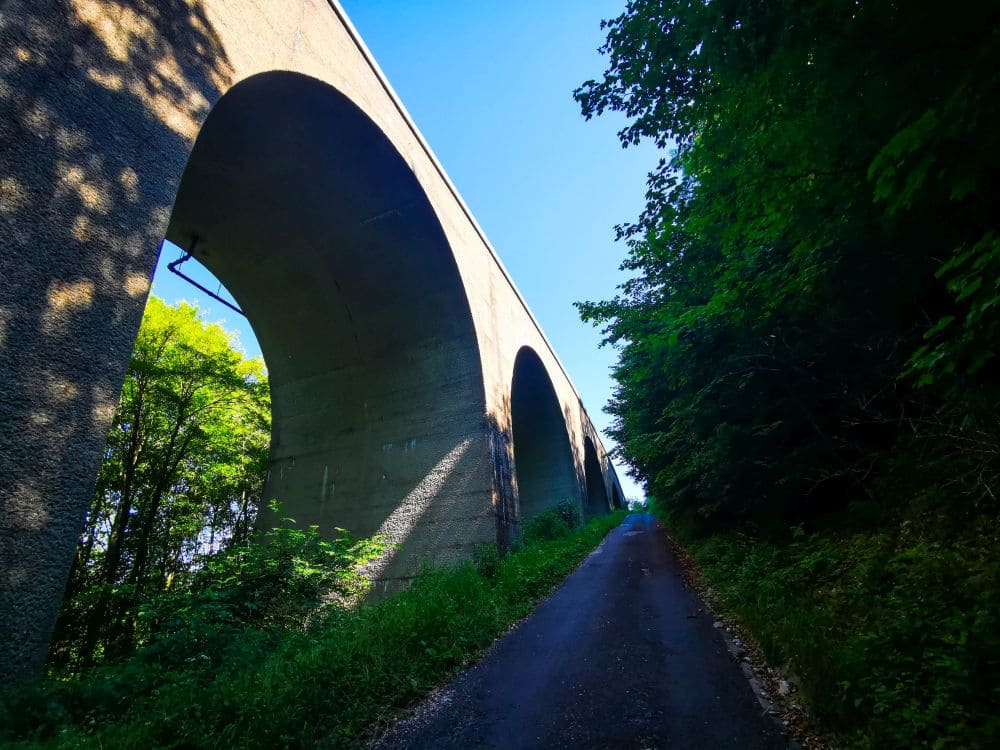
[{"x": 620, "y": 656}]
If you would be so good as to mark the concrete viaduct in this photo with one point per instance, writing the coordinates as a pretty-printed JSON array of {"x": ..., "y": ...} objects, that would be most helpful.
[{"x": 413, "y": 392}]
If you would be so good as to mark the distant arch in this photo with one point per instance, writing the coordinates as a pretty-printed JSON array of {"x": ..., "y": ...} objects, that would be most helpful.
[
  {"x": 543, "y": 460},
  {"x": 597, "y": 494},
  {"x": 616, "y": 496},
  {"x": 309, "y": 215}
]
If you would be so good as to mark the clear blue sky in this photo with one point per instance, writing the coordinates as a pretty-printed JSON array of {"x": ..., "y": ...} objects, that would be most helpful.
[{"x": 490, "y": 86}]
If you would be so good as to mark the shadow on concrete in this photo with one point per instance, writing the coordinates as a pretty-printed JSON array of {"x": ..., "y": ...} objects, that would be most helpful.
[{"x": 92, "y": 149}]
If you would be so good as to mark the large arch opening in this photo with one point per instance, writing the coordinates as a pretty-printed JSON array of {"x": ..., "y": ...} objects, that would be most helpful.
[
  {"x": 320, "y": 230},
  {"x": 597, "y": 494},
  {"x": 543, "y": 460}
]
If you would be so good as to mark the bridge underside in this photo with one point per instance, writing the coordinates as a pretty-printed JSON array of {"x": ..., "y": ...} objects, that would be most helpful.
[{"x": 309, "y": 216}]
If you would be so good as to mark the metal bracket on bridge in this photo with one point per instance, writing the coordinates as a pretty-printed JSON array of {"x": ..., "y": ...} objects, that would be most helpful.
[{"x": 184, "y": 259}]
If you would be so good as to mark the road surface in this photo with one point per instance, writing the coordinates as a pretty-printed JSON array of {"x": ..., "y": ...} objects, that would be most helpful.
[{"x": 621, "y": 655}]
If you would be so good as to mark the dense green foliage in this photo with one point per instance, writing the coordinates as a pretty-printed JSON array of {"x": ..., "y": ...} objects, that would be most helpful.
[
  {"x": 809, "y": 336},
  {"x": 181, "y": 479},
  {"x": 247, "y": 658},
  {"x": 242, "y": 603},
  {"x": 553, "y": 524},
  {"x": 827, "y": 222},
  {"x": 890, "y": 630}
]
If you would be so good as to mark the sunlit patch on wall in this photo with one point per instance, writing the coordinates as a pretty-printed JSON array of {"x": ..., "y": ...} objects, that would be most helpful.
[
  {"x": 82, "y": 228},
  {"x": 103, "y": 410},
  {"x": 93, "y": 196},
  {"x": 25, "y": 509},
  {"x": 129, "y": 181},
  {"x": 69, "y": 139},
  {"x": 61, "y": 389},
  {"x": 37, "y": 118},
  {"x": 117, "y": 26},
  {"x": 136, "y": 284},
  {"x": 402, "y": 521},
  {"x": 13, "y": 197},
  {"x": 110, "y": 81},
  {"x": 65, "y": 299}
]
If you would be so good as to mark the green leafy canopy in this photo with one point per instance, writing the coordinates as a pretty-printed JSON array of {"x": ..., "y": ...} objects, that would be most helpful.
[{"x": 821, "y": 240}]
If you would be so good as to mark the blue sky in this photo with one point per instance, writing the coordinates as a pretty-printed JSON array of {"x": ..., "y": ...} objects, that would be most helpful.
[{"x": 490, "y": 86}]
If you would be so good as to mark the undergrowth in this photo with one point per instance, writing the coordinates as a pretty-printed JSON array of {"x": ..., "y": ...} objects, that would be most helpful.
[
  {"x": 891, "y": 630},
  {"x": 331, "y": 684}
]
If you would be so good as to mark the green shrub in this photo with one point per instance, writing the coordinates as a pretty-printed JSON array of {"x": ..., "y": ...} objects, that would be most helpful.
[
  {"x": 569, "y": 511},
  {"x": 893, "y": 633},
  {"x": 228, "y": 617},
  {"x": 486, "y": 559},
  {"x": 276, "y": 682},
  {"x": 554, "y": 523}
]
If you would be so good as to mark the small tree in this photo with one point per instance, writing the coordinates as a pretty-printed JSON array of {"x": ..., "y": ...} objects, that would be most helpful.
[{"x": 182, "y": 475}]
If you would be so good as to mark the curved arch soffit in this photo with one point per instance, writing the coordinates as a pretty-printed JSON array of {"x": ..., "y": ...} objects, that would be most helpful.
[
  {"x": 543, "y": 459},
  {"x": 318, "y": 227},
  {"x": 597, "y": 494}
]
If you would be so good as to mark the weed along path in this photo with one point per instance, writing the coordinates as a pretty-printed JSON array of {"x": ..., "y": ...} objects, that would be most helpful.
[{"x": 621, "y": 655}]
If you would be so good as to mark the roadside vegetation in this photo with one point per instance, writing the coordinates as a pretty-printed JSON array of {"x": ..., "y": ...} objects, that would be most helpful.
[
  {"x": 808, "y": 378},
  {"x": 259, "y": 655},
  {"x": 182, "y": 627},
  {"x": 888, "y": 632}
]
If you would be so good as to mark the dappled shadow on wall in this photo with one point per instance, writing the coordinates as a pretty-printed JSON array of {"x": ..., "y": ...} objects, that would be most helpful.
[{"x": 99, "y": 103}]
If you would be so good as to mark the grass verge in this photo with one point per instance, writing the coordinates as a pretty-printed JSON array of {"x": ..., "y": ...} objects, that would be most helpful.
[
  {"x": 332, "y": 685},
  {"x": 891, "y": 633}
]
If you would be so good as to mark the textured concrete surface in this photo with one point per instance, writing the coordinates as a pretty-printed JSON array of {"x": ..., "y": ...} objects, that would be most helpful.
[
  {"x": 389, "y": 326},
  {"x": 620, "y": 656}
]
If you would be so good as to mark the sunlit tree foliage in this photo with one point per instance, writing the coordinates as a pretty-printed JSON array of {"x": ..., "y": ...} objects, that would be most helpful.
[{"x": 182, "y": 476}]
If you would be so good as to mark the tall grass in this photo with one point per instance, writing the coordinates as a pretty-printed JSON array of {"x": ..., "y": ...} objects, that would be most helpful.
[
  {"x": 892, "y": 631},
  {"x": 333, "y": 685}
]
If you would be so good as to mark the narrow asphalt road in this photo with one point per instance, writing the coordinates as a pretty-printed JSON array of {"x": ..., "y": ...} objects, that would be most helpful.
[{"x": 621, "y": 655}]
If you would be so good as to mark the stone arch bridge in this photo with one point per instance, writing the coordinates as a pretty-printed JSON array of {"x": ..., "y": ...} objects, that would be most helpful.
[{"x": 413, "y": 392}]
